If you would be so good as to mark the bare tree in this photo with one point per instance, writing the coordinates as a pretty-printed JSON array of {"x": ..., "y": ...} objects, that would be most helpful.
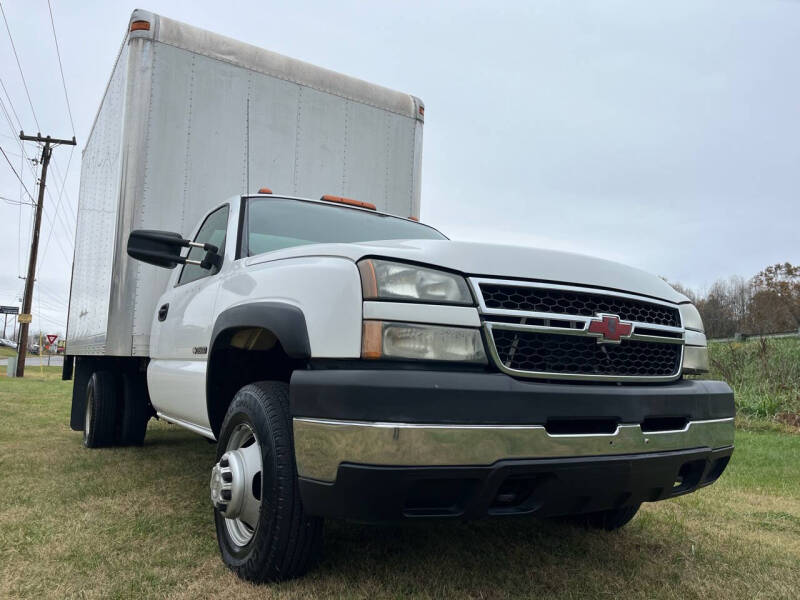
[{"x": 783, "y": 281}]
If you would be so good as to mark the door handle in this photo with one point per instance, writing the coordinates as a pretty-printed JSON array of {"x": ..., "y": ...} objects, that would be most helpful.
[{"x": 162, "y": 312}]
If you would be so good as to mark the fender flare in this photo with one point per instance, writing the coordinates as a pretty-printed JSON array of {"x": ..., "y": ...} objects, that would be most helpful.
[{"x": 286, "y": 321}]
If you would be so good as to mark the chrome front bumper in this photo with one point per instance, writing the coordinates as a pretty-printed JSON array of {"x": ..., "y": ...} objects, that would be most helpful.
[{"x": 321, "y": 445}]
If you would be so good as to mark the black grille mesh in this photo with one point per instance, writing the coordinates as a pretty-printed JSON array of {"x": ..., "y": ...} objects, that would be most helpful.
[
  {"x": 565, "y": 302},
  {"x": 576, "y": 354}
]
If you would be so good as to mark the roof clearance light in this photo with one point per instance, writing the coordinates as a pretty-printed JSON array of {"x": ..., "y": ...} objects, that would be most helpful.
[
  {"x": 265, "y": 190},
  {"x": 140, "y": 26},
  {"x": 413, "y": 218},
  {"x": 348, "y": 201}
]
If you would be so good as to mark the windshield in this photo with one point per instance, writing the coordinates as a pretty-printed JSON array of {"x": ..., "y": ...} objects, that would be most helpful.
[{"x": 275, "y": 223}]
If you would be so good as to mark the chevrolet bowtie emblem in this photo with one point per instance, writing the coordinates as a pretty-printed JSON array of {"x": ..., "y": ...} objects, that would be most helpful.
[{"x": 609, "y": 329}]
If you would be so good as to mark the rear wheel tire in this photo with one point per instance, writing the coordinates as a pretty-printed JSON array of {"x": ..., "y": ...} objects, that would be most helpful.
[
  {"x": 135, "y": 410},
  {"x": 99, "y": 424},
  {"x": 270, "y": 538},
  {"x": 606, "y": 520}
]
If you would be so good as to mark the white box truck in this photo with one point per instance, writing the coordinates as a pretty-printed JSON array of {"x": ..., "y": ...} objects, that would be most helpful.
[{"x": 349, "y": 361}]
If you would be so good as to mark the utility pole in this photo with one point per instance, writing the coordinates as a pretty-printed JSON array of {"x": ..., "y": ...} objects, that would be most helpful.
[{"x": 27, "y": 300}]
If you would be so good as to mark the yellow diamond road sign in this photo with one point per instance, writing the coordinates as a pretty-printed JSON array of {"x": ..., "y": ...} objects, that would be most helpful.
[{"x": 24, "y": 318}]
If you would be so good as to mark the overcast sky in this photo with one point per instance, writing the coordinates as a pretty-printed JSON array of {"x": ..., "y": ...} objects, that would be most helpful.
[{"x": 665, "y": 135}]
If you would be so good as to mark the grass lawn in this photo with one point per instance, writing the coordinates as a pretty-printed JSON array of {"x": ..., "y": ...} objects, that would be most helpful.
[
  {"x": 136, "y": 522},
  {"x": 5, "y": 352}
]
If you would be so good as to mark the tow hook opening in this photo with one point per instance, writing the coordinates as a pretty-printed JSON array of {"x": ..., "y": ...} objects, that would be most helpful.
[
  {"x": 688, "y": 476},
  {"x": 717, "y": 468},
  {"x": 515, "y": 495},
  {"x": 438, "y": 497}
]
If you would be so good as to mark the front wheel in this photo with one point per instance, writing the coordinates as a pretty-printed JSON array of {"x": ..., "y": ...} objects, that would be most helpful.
[{"x": 262, "y": 530}]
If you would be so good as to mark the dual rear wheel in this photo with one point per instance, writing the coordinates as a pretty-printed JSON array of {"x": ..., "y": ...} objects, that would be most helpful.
[{"x": 117, "y": 410}]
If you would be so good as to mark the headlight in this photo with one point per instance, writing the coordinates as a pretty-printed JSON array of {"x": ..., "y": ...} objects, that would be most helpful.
[
  {"x": 386, "y": 280},
  {"x": 691, "y": 317},
  {"x": 385, "y": 339}
]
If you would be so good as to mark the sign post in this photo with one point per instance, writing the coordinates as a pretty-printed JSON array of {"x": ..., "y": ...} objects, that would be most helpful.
[
  {"x": 5, "y": 311},
  {"x": 50, "y": 341}
]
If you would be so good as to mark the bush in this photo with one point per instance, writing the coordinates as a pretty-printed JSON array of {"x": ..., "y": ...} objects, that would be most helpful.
[{"x": 764, "y": 374}]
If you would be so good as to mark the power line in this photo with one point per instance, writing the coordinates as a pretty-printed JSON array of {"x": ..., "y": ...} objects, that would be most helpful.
[
  {"x": 16, "y": 202},
  {"x": 16, "y": 116},
  {"x": 15, "y": 173},
  {"x": 35, "y": 118},
  {"x": 51, "y": 222},
  {"x": 63, "y": 180},
  {"x": 66, "y": 97},
  {"x": 19, "y": 225},
  {"x": 19, "y": 66},
  {"x": 67, "y": 207},
  {"x": 60, "y": 67},
  {"x": 71, "y": 216},
  {"x": 23, "y": 161}
]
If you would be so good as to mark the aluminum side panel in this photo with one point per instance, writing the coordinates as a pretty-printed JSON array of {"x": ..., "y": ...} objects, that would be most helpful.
[
  {"x": 272, "y": 134},
  {"x": 101, "y": 177},
  {"x": 319, "y": 155},
  {"x": 135, "y": 131},
  {"x": 161, "y": 205}
]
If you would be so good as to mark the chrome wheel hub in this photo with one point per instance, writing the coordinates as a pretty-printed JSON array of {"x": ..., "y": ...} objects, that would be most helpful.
[
  {"x": 236, "y": 485},
  {"x": 227, "y": 484}
]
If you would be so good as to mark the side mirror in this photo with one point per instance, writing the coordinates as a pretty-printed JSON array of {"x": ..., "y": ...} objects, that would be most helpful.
[{"x": 163, "y": 249}]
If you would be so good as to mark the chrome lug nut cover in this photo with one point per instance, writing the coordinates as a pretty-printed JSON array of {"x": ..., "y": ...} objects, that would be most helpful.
[{"x": 227, "y": 484}]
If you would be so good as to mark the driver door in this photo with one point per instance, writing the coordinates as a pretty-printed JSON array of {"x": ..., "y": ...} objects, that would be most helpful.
[{"x": 181, "y": 331}]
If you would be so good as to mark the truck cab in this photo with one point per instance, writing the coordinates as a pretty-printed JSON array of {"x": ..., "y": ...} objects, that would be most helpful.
[{"x": 355, "y": 364}]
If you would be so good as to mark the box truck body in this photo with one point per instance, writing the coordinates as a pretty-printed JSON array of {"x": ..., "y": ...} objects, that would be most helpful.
[{"x": 188, "y": 119}]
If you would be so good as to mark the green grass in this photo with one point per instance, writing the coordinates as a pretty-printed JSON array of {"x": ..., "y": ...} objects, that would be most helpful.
[
  {"x": 764, "y": 374},
  {"x": 136, "y": 522},
  {"x": 5, "y": 352}
]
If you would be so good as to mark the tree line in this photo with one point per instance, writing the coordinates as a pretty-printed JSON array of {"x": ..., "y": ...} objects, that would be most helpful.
[{"x": 768, "y": 302}]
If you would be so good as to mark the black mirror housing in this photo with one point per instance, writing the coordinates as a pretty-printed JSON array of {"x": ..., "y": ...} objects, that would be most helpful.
[{"x": 159, "y": 248}]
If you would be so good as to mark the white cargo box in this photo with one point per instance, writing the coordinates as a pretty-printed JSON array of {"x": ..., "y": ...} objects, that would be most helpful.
[{"x": 190, "y": 118}]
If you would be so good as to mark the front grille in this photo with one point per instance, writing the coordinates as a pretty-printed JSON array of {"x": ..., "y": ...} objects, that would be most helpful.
[
  {"x": 582, "y": 355},
  {"x": 568, "y": 302}
]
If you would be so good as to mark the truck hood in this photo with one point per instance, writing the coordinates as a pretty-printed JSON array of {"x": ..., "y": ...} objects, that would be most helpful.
[{"x": 497, "y": 261}]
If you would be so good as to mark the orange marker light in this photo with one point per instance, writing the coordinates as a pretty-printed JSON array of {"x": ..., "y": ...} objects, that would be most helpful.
[
  {"x": 369, "y": 282},
  {"x": 140, "y": 26},
  {"x": 348, "y": 201},
  {"x": 413, "y": 218},
  {"x": 372, "y": 340},
  {"x": 265, "y": 191}
]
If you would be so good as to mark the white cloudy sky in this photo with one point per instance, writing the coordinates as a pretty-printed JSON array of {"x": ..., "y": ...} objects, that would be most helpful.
[{"x": 661, "y": 134}]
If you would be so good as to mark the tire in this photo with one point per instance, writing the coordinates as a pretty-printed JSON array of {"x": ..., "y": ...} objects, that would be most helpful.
[
  {"x": 285, "y": 542},
  {"x": 99, "y": 425},
  {"x": 135, "y": 410},
  {"x": 606, "y": 520}
]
